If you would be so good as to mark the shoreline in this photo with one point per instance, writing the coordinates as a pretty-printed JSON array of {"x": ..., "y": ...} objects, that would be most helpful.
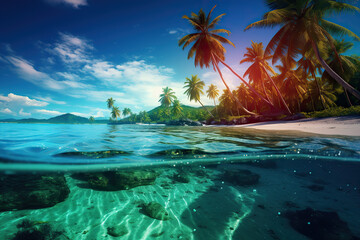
[{"x": 344, "y": 126}]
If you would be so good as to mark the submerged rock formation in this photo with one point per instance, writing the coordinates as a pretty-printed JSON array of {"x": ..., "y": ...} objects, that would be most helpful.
[
  {"x": 241, "y": 177},
  {"x": 118, "y": 180},
  {"x": 117, "y": 231},
  {"x": 319, "y": 225},
  {"x": 37, "y": 230},
  {"x": 155, "y": 210},
  {"x": 27, "y": 191}
]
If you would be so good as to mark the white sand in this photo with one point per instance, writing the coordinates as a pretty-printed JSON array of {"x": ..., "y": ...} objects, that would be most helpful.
[{"x": 346, "y": 126}]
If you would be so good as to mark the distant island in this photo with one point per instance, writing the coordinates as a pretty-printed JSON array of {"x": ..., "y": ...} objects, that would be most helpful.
[{"x": 152, "y": 116}]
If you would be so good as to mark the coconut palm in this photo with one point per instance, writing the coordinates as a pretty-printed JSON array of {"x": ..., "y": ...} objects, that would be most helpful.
[
  {"x": 348, "y": 64},
  {"x": 213, "y": 93},
  {"x": 110, "y": 102},
  {"x": 176, "y": 109},
  {"x": 115, "y": 112},
  {"x": 327, "y": 97},
  {"x": 208, "y": 48},
  {"x": 126, "y": 112},
  {"x": 303, "y": 27},
  {"x": 258, "y": 70},
  {"x": 194, "y": 88},
  {"x": 226, "y": 102},
  {"x": 167, "y": 97},
  {"x": 292, "y": 82}
]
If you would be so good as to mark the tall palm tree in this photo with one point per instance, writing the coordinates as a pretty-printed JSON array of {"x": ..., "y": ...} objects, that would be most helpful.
[
  {"x": 167, "y": 97},
  {"x": 126, "y": 112},
  {"x": 115, "y": 112},
  {"x": 303, "y": 27},
  {"x": 258, "y": 70},
  {"x": 348, "y": 64},
  {"x": 291, "y": 81},
  {"x": 194, "y": 88},
  {"x": 110, "y": 102},
  {"x": 213, "y": 93},
  {"x": 176, "y": 109},
  {"x": 327, "y": 96},
  {"x": 226, "y": 102},
  {"x": 208, "y": 48}
]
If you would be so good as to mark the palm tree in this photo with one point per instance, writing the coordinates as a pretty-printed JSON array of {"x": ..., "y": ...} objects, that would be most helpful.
[
  {"x": 303, "y": 27},
  {"x": 258, "y": 70},
  {"x": 110, "y": 102},
  {"x": 167, "y": 97},
  {"x": 208, "y": 48},
  {"x": 291, "y": 81},
  {"x": 176, "y": 109},
  {"x": 348, "y": 64},
  {"x": 194, "y": 88},
  {"x": 226, "y": 101},
  {"x": 213, "y": 93},
  {"x": 115, "y": 113},
  {"x": 327, "y": 96},
  {"x": 126, "y": 112}
]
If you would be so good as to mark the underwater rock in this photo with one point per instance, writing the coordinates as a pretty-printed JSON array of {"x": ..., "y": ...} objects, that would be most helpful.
[
  {"x": 37, "y": 230},
  {"x": 117, "y": 231},
  {"x": 181, "y": 176},
  {"x": 319, "y": 225},
  {"x": 96, "y": 154},
  {"x": 155, "y": 210},
  {"x": 183, "y": 122},
  {"x": 27, "y": 191},
  {"x": 118, "y": 180},
  {"x": 241, "y": 177}
]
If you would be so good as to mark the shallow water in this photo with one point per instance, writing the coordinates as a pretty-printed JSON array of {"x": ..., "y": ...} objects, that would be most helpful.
[{"x": 63, "y": 181}]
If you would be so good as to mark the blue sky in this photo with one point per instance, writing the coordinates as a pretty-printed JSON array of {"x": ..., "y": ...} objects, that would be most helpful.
[{"x": 59, "y": 56}]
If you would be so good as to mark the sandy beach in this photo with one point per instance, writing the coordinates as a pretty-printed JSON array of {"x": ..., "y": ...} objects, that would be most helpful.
[{"x": 346, "y": 126}]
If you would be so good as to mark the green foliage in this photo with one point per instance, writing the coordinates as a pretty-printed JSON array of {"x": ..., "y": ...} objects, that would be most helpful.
[{"x": 335, "y": 112}]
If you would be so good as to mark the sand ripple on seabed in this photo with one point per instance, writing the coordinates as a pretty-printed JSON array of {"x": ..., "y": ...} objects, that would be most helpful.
[{"x": 87, "y": 214}]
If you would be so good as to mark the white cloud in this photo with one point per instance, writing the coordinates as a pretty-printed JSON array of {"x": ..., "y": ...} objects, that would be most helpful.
[
  {"x": 73, "y": 3},
  {"x": 22, "y": 113},
  {"x": 6, "y": 111},
  {"x": 104, "y": 71},
  {"x": 22, "y": 100},
  {"x": 48, "y": 112},
  {"x": 173, "y": 31},
  {"x": 71, "y": 49}
]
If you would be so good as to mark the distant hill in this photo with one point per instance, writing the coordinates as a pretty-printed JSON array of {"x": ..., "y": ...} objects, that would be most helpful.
[
  {"x": 189, "y": 112},
  {"x": 65, "y": 118},
  {"x": 68, "y": 118}
]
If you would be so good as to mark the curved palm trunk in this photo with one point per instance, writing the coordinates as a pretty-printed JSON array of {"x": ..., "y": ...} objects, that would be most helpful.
[
  {"x": 227, "y": 87},
  {"x": 205, "y": 108},
  {"x": 319, "y": 90},
  {"x": 333, "y": 74},
  {"x": 348, "y": 99},
  {"x": 246, "y": 83},
  {"x": 278, "y": 92}
]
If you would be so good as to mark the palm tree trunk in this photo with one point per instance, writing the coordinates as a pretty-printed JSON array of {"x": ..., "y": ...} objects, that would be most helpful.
[
  {"x": 319, "y": 90},
  {"x": 227, "y": 87},
  {"x": 205, "y": 108},
  {"x": 278, "y": 92},
  {"x": 246, "y": 83},
  {"x": 348, "y": 99},
  {"x": 333, "y": 74},
  {"x": 217, "y": 112}
]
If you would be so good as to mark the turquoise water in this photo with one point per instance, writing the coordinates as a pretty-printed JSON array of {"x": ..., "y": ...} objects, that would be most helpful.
[{"x": 64, "y": 181}]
